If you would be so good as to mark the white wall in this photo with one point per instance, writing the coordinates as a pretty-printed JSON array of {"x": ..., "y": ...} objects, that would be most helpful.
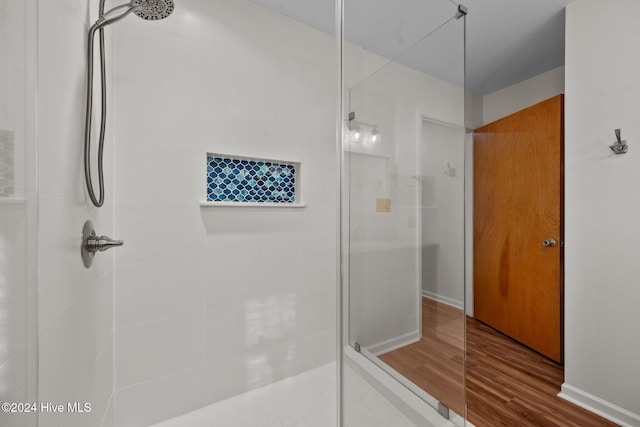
[
  {"x": 75, "y": 304},
  {"x": 443, "y": 228},
  {"x": 521, "y": 95},
  {"x": 602, "y": 354},
  {"x": 211, "y": 302}
]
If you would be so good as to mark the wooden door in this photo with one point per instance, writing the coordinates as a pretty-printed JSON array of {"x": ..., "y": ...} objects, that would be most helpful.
[{"x": 518, "y": 186}]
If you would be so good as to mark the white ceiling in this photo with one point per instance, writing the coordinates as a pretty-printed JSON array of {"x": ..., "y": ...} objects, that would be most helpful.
[{"x": 507, "y": 40}]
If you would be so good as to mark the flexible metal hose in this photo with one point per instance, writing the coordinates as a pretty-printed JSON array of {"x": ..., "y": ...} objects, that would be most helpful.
[
  {"x": 103, "y": 21},
  {"x": 97, "y": 201},
  {"x": 145, "y": 9}
]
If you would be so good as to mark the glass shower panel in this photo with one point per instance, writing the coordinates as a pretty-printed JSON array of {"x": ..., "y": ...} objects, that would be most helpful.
[
  {"x": 18, "y": 210},
  {"x": 404, "y": 199}
]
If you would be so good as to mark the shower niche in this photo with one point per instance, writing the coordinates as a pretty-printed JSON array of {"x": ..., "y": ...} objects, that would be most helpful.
[{"x": 250, "y": 181}]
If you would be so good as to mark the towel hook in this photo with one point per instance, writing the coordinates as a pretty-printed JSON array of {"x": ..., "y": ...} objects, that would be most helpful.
[
  {"x": 450, "y": 171},
  {"x": 620, "y": 146}
]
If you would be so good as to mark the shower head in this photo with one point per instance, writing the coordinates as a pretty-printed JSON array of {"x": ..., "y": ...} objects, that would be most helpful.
[
  {"x": 150, "y": 10},
  {"x": 153, "y": 10}
]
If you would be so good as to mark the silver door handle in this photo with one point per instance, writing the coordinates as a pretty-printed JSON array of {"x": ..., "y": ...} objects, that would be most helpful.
[{"x": 550, "y": 243}]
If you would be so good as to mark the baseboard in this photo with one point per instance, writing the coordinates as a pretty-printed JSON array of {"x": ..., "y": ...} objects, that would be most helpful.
[
  {"x": 444, "y": 300},
  {"x": 394, "y": 343},
  {"x": 599, "y": 406}
]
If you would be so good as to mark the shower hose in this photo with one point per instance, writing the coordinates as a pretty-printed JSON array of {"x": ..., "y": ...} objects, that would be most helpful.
[
  {"x": 97, "y": 201},
  {"x": 149, "y": 10}
]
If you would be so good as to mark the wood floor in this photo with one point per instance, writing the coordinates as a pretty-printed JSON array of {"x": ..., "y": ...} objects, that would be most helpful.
[{"x": 507, "y": 384}]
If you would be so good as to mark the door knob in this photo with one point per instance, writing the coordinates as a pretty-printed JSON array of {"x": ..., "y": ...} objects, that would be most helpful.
[{"x": 549, "y": 243}]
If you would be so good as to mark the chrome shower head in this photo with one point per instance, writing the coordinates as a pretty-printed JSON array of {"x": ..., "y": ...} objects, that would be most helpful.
[
  {"x": 150, "y": 10},
  {"x": 153, "y": 10}
]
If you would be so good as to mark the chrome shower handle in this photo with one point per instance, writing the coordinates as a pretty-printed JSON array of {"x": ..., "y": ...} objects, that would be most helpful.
[
  {"x": 101, "y": 243},
  {"x": 92, "y": 243}
]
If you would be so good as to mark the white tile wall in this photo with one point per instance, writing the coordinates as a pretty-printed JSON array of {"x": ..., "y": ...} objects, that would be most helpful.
[
  {"x": 178, "y": 289},
  {"x": 210, "y": 292},
  {"x": 316, "y": 311},
  {"x": 164, "y": 122},
  {"x": 108, "y": 419},
  {"x": 72, "y": 351},
  {"x": 98, "y": 391},
  {"x": 227, "y": 287},
  {"x": 314, "y": 350},
  {"x": 64, "y": 278},
  {"x": 319, "y": 266},
  {"x": 153, "y": 349},
  {"x": 226, "y": 337},
  {"x": 156, "y": 400},
  {"x": 160, "y": 232},
  {"x": 225, "y": 378},
  {"x": 75, "y": 304},
  {"x": 168, "y": 175}
]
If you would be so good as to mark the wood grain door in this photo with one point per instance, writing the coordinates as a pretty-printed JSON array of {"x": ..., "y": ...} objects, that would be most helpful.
[{"x": 518, "y": 185}]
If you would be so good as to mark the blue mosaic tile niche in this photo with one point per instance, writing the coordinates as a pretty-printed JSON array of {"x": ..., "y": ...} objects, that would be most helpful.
[{"x": 250, "y": 181}]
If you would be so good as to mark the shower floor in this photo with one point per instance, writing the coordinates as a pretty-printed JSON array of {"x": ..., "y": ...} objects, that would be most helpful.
[{"x": 308, "y": 400}]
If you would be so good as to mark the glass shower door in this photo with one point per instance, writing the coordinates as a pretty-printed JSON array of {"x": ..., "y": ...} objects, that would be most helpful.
[{"x": 404, "y": 204}]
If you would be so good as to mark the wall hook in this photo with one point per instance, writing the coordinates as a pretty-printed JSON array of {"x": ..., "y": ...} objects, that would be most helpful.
[
  {"x": 450, "y": 171},
  {"x": 620, "y": 146}
]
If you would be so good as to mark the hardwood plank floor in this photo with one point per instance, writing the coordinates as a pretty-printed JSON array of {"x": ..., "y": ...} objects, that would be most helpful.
[
  {"x": 436, "y": 362},
  {"x": 507, "y": 384}
]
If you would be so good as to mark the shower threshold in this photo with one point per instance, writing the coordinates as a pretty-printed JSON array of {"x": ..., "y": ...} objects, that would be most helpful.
[{"x": 307, "y": 399}]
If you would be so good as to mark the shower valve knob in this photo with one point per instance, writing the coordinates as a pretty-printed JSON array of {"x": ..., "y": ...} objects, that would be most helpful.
[
  {"x": 92, "y": 243},
  {"x": 101, "y": 243}
]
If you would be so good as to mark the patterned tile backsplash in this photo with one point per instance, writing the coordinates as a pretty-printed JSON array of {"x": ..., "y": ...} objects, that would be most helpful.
[{"x": 245, "y": 180}]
